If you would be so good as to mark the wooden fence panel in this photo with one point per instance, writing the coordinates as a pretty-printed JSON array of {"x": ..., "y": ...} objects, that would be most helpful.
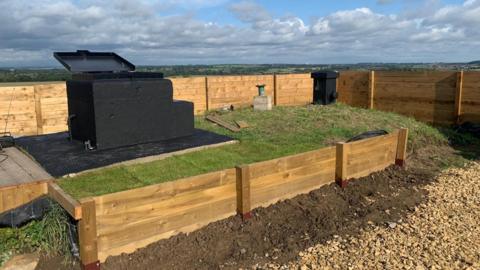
[
  {"x": 426, "y": 96},
  {"x": 370, "y": 155},
  {"x": 17, "y": 110},
  {"x": 238, "y": 91},
  {"x": 471, "y": 97},
  {"x": 132, "y": 219},
  {"x": 191, "y": 89},
  {"x": 352, "y": 87},
  {"x": 294, "y": 89},
  {"x": 52, "y": 110},
  {"x": 283, "y": 178}
]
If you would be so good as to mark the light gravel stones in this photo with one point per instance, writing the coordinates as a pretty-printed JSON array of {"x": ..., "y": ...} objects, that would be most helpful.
[{"x": 442, "y": 233}]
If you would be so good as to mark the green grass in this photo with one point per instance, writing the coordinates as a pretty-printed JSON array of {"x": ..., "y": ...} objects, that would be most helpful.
[
  {"x": 282, "y": 131},
  {"x": 47, "y": 235}
]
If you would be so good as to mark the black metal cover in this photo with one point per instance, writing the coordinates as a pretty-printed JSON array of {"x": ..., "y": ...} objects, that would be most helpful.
[
  {"x": 324, "y": 75},
  {"x": 83, "y": 61}
]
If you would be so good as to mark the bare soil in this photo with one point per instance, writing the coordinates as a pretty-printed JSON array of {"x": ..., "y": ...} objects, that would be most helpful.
[{"x": 279, "y": 232}]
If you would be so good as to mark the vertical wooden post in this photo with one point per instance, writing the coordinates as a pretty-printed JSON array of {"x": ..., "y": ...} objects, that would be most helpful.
[
  {"x": 38, "y": 110},
  {"x": 87, "y": 234},
  {"x": 275, "y": 89},
  {"x": 207, "y": 106},
  {"x": 341, "y": 164},
  {"x": 371, "y": 89},
  {"x": 402, "y": 147},
  {"x": 458, "y": 97},
  {"x": 243, "y": 191}
]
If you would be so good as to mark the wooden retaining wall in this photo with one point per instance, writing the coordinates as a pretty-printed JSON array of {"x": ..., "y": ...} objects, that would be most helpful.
[
  {"x": 14, "y": 196},
  {"x": 125, "y": 221}
]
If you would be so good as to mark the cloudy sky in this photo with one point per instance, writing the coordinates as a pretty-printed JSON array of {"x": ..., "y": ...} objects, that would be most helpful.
[{"x": 164, "y": 32}]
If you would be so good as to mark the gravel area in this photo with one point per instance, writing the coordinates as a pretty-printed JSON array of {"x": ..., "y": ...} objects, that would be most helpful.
[{"x": 442, "y": 233}]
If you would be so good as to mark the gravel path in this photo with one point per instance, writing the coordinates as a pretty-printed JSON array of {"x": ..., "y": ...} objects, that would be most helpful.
[{"x": 442, "y": 233}]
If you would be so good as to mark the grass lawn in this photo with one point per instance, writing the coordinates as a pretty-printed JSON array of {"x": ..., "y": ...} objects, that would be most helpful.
[{"x": 280, "y": 132}]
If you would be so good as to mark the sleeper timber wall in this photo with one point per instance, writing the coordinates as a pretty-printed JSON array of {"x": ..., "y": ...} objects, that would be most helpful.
[
  {"x": 14, "y": 196},
  {"x": 470, "y": 97},
  {"x": 443, "y": 97},
  {"x": 439, "y": 97},
  {"x": 132, "y": 219},
  {"x": 128, "y": 220},
  {"x": 352, "y": 88},
  {"x": 426, "y": 96},
  {"x": 224, "y": 91}
]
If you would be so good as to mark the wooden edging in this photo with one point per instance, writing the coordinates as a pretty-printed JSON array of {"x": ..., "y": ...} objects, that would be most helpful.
[
  {"x": 13, "y": 196},
  {"x": 68, "y": 203},
  {"x": 86, "y": 208}
]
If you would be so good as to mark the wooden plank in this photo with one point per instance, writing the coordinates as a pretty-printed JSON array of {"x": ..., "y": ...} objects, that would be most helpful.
[
  {"x": 128, "y": 239},
  {"x": 148, "y": 212},
  {"x": 402, "y": 147},
  {"x": 16, "y": 195},
  {"x": 119, "y": 230},
  {"x": 458, "y": 96},
  {"x": 342, "y": 150},
  {"x": 68, "y": 203},
  {"x": 265, "y": 193},
  {"x": 243, "y": 191},
  {"x": 120, "y": 202},
  {"x": 87, "y": 233},
  {"x": 283, "y": 164},
  {"x": 32, "y": 168},
  {"x": 222, "y": 123},
  {"x": 371, "y": 89},
  {"x": 241, "y": 124}
]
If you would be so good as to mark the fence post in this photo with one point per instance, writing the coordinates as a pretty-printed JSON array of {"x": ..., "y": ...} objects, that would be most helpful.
[
  {"x": 341, "y": 164},
  {"x": 458, "y": 97},
  {"x": 38, "y": 110},
  {"x": 275, "y": 89},
  {"x": 402, "y": 147},
  {"x": 243, "y": 191},
  {"x": 87, "y": 234},
  {"x": 371, "y": 89},
  {"x": 207, "y": 106}
]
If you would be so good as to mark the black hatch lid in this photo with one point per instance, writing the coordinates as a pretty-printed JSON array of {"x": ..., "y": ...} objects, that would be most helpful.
[{"x": 83, "y": 61}]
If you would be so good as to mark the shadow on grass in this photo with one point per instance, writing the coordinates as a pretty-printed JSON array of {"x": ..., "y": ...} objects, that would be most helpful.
[{"x": 465, "y": 139}]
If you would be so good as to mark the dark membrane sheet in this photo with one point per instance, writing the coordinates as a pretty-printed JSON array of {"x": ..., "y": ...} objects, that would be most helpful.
[{"x": 59, "y": 156}]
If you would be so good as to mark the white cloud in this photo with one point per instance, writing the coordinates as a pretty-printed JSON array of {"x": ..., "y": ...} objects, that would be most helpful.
[{"x": 31, "y": 30}]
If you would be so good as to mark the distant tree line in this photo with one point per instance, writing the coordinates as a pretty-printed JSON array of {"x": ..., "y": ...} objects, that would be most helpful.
[{"x": 31, "y": 75}]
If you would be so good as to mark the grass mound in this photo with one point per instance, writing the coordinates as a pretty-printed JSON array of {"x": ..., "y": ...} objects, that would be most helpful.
[{"x": 272, "y": 134}]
